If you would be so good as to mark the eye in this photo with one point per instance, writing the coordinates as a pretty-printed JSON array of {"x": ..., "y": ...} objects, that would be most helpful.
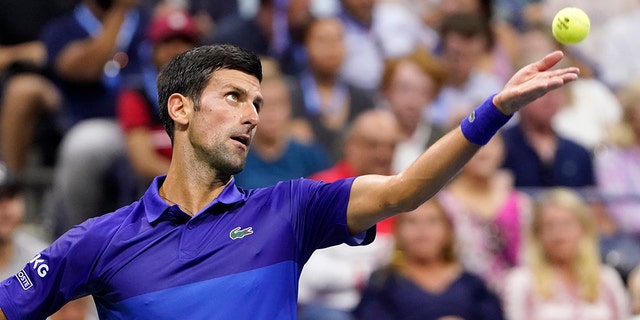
[{"x": 233, "y": 97}]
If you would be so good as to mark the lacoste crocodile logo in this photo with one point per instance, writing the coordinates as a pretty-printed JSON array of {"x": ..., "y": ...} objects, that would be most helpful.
[
  {"x": 472, "y": 116},
  {"x": 238, "y": 233}
]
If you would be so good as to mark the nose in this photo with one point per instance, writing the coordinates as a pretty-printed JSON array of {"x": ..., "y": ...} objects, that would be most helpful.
[{"x": 250, "y": 116}]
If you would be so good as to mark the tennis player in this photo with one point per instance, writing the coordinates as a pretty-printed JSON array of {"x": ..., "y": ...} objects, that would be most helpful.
[{"x": 195, "y": 246}]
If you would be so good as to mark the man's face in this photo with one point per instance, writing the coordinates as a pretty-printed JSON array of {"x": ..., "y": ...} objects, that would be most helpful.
[
  {"x": 410, "y": 91},
  {"x": 220, "y": 131},
  {"x": 461, "y": 55},
  {"x": 165, "y": 50},
  {"x": 325, "y": 46},
  {"x": 276, "y": 113},
  {"x": 371, "y": 146}
]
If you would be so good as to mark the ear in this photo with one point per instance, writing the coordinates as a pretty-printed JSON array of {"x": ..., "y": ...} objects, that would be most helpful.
[{"x": 179, "y": 108}]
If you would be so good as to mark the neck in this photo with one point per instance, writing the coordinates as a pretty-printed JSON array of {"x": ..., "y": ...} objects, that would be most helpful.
[
  {"x": 537, "y": 129},
  {"x": 325, "y": 80},
  {"x": 426, "y": 264},
  {"x": 564, "y": 269},
  {"x": 476, "y": 184},
  {"x": 194, "y": 187}
]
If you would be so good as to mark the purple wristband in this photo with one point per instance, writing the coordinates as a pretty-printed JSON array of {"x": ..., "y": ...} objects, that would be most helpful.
[{"x": 483, "y": 122}]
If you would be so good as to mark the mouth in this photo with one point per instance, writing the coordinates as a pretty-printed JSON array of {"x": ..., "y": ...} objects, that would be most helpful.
[{"x": 244, "y": 139}]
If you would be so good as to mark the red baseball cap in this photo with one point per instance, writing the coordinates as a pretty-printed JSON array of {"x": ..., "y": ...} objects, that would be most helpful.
[{"x": 173, "y": 24}]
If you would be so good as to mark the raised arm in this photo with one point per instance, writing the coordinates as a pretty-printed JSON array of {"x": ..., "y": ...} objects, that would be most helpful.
[{"x": 374, "y": 198}]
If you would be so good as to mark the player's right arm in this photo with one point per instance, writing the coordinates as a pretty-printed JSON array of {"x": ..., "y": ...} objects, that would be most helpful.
[
  {"x": 2, "y": 317},
  {"x": 375, "y": 197}
]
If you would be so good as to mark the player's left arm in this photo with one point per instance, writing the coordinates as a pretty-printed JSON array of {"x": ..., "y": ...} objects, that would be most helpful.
[{"x": 374, "y": 198}]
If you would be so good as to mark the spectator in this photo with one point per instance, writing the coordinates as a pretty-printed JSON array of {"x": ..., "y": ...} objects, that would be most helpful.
[
  {"x": 374, "y": 31},
  {"x": 324, "y": 103},
  {"x": 92, "y": 52},
  {"x": 488, "y": 215},
  {"x": 464, "y": 38},
  {"x": 332, "y": 279},
  {"x": 256, "y": 33},
  {"x": 209, "y": 13},
  {"x": 274, "y": 155},
  {"x": 425, "y": 279},
  {"x": 617, "y": 165},
  {"x": 27, "y": 95},
  {"x": 148, "y": 146},
  {"x": 540, "y": 157},
  {"x": 500, "y": 49},
  {"x": 409, "y": 86},
  {"x": 564, "y": 278}
]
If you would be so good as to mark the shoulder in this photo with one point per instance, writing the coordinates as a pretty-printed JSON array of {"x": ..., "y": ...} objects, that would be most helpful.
[
  {"x": 472, "y": 279},
  {"x": 97, "y": 232},
  {"x": 572, "y": 146},
  {"x": 303, "y": 186},
  {"x": 62, "y": 27},
  {"x": 609, "y": 274}
]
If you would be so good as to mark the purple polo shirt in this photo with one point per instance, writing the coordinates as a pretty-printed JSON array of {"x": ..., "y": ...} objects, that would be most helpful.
[{"x": 239, "y": 258}]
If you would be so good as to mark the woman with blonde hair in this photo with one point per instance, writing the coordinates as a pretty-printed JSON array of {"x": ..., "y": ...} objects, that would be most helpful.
[
  {"x": 425, "y": 279},
  {"x": 564, "y": 278}
]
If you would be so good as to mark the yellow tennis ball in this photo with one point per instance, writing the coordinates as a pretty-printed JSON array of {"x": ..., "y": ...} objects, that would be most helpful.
[{"x": 570, "y": 25}]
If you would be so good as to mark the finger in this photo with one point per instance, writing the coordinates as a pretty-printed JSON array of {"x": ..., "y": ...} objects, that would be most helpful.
[
  {"x": 549, "y": 61},
  {"x": 560, "y": 72}
]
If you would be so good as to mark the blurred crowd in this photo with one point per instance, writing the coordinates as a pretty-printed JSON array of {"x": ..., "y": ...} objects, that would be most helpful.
[{"x": 543, "y": 223}]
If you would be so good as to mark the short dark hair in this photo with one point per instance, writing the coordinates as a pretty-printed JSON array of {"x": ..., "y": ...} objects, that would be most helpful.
[
  {"x": 469, "y": 25},
  {"x": 189, "y": 73}
]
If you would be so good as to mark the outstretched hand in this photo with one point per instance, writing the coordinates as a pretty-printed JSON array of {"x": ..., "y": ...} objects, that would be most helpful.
[{"x": 532, "y": 82}]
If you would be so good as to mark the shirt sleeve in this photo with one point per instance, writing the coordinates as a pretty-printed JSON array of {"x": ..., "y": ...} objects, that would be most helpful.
[
  {"x": 56, "y": 275},
  {"x": 321, "y": 220}
]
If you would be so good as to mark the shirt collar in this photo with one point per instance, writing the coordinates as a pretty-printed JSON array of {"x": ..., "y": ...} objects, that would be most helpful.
[{"x": 155, "y": 207}]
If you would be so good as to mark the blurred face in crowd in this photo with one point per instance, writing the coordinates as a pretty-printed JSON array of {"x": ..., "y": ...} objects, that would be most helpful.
[
  {"x": 325, "y": 46},
  {"x": 540, "y": 112},
  {"x": 165, "y": 50},
  {"x": 361, "y": 10},
  {"x": 423, "y": 234},
  {"x": 371, "y": 143},
  {"x": 487, "y": 160},
  {"x": 461, "y": 55},
  {"x": 410, "y": 90},
  {"x": 276, "y": 111},
  {"x": 457, "y": 6},
  {"x": 559, "y": 232},
  {"x": 12, "y": 208}
]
